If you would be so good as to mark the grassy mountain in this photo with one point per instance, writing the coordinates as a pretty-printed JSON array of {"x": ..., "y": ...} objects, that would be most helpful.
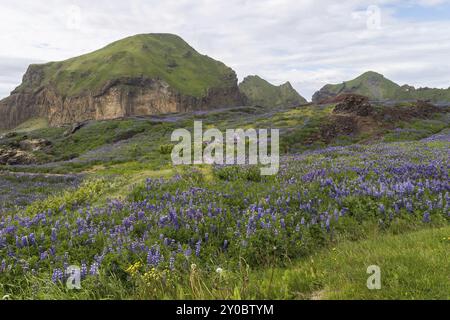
[
  {"x": 161, "y": 56},
  {"x": 141, "y": 75},
  {"x": 260, "y": 92},
  {"x": 377, "y": 87}
]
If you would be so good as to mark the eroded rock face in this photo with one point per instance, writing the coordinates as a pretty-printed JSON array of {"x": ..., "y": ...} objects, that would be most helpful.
[{"x": 119, "y": 98}]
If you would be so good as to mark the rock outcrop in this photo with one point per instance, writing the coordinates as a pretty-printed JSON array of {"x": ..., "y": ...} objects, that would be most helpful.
[
  {"x": 165, "y": 75},
  {"x": 11, "y": 156},
  {"x": 354, "y": 104}
]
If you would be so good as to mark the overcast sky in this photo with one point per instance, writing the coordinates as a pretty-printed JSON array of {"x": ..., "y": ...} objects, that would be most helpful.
[{"x": 307, "y": 42}]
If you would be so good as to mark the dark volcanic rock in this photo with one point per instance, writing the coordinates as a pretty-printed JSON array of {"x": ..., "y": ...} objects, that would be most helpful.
[
  {"x": 425, "y": 109},
  {"x": 338, "y": 125},
  {"x": 354, "y": 104}
]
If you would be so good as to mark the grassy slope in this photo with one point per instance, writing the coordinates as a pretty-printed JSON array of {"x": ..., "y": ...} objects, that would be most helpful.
[
  {"x": 413, "y": 266},
  {"x": 377, "y": 87},
  {"x": 163, "y": 56},
  {"x": 137, "y": 141},
  {"x": 261, "y": 92}
]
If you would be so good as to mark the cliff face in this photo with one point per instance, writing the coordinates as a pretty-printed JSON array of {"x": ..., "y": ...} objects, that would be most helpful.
[
  {"x": 51, "y": 90},
  {"x": 120, "y": 98}
]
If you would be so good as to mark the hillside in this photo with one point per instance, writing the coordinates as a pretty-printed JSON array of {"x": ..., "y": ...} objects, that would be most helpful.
[
  {"x": 139, "y": 75},
  {"x": 260, "y": 92},
  {"x": 377, "y": 87}
]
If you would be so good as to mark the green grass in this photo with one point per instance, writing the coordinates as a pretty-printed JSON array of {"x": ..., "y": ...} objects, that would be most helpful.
[
  {"x": 414, "y": 266},
  {"x": 32, "y": 125},
  {"x": 156, "y": 56},
  {"x": 418, "y": 128}
]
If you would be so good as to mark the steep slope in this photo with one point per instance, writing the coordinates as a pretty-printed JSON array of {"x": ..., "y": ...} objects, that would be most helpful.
[
  {"x": 139, "y": 75},
  {"x": 260, "y": 92},
  {"x": 377, "y": 87}
]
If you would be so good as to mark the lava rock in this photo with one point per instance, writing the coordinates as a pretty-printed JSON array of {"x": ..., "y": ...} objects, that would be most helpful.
[{"x": 354, "y": 104}]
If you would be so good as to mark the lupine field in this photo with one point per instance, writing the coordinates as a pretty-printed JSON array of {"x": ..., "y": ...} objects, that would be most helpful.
[{"x": 212, "y": 232}]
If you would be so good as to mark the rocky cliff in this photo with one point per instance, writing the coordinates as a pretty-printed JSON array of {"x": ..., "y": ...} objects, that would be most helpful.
[{"x": 140, "y": 75}]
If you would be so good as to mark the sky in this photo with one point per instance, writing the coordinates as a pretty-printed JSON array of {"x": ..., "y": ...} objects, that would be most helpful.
[{"x": 307, "y": 42}]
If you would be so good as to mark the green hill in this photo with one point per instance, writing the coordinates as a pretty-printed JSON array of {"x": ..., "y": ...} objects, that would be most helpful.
[
  {"x": 160, "y": 56},
  {"x": 377, "y": 87},
  {"x": 260, "y": 92}
]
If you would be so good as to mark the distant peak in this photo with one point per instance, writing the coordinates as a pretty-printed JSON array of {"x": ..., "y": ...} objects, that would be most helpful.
[
  {"x": 253, "y": 77},
  {"x": 156, "y": 35},
  {"x": 371, "y": 74},
  {"x": 287, "y": 84}
]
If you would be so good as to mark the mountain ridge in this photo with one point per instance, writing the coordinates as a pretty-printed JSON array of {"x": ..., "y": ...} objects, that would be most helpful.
[
  {"x": 376, "y": 86},
  {"x": 260, "y": 92}
]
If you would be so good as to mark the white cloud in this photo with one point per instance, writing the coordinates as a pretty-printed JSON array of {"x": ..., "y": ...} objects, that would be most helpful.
[{"x": 309, "y": 43}]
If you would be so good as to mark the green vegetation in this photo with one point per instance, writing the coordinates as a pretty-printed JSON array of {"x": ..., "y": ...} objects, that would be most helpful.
[
  {"x": 260, "y": 92},
  {"x": 144, "y": 229},
  {"x": 32, "y": 125},
  {"x": 104, "y": 144},
  {"x": 155, "y": 56},
  {"x": 334, "y": 273},
  {"x": 377, "y": 87}
]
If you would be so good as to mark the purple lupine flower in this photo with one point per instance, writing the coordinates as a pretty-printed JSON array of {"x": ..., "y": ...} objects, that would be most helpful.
[
  {"x": 225, "y": 245},
  {"x": 84, "y": 270},
  {"x": 93, "y": 270},
  {"x": 57, "y": 275},
  {"x": 10, "y": 229},
  {"x": 53, "y": 235},
  {"x": 24, "y": 241},
  {"x": 198, "y": 247},
  {"x": 32, "y": 239},
  {"x": 426, "y": 217},
  {"x": 154, "y": 257}
]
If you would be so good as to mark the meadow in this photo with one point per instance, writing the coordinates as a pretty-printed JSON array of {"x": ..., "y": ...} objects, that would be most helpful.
[{"x": 141, "y": 231}]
